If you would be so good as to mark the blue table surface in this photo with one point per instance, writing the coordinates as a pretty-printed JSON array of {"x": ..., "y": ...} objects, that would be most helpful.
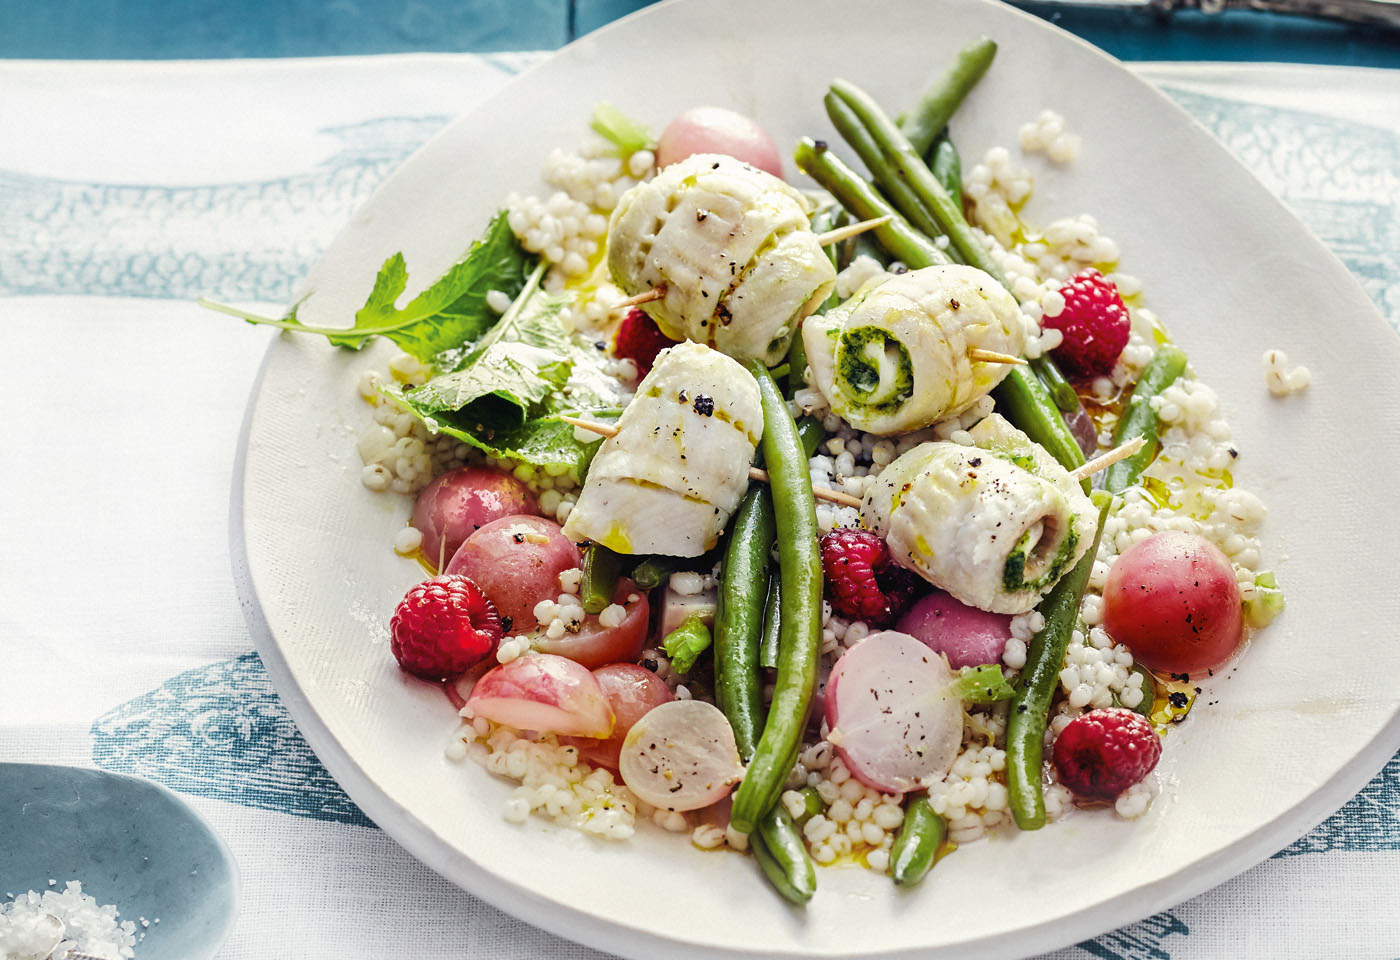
[{"x": 200, "y": 29}]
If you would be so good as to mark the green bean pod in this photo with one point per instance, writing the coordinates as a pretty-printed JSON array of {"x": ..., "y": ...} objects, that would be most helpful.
[
  {"x": 655, "y": 571},
  {"x": 1140, "y": 420},
  {"x": 946, "y": 165},
  {"x": 777, "y": 846},
  {"x": 901, "y": 240},
  {"x": 739, "y": 617},
  {"x": 916, "y": 845},
  {"x": 1060, "y": 389},
  {"x": 799, "y": 563},
  {"x": 894, "y": 187},
  {"x": 1025, "y": 724},
  {"x": 797, "y": 363},
  {"x": 686, "y": 643},
  {"x": 909, "y": 164},
  {"x": 1023, "y": 400},
  {"x": 601, "y": 569},
  {"x": 941, "y": 100},
  {"x": 772, "y": 625}
]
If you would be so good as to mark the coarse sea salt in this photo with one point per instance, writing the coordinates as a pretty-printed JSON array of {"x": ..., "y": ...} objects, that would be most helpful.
[{"x": 90, "y": 928}]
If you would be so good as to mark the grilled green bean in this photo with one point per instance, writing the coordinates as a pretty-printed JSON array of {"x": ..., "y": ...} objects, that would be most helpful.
[
  {"x": 946, "y": 165},
  {"x": 901, "y": 240},
  {"x": 936, "y": 107},
  {"x": 739, "y": 617},
  {"x": 778, "y": 847},
  {"x": 1025, "y": 725},
  {"x": 886, "y": 179},
  {"x": 655, "y": 571},
  {"x": 916, "y": 845},
  {"x": 1140, "y": 420},
  {"x": 601, "y": 569},
  {"x": 909, "y": 164},
  {"x": 772, "y": 624},
  {"x": 799, "y": 563},
  {"x": 1055, "y": 384}
]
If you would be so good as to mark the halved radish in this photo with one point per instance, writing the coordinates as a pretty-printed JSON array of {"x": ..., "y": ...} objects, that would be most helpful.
[
  {"x": 965, "y": 635},
  {"x": 633, "y": 692},
  {"x": 545, "y": 693},
  {"x": 681, "y": 756},
  {"x": 892, "y": 717}
]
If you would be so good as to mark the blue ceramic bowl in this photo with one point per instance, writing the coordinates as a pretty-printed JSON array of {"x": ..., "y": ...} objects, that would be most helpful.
[{"x": 130, "y": 842}]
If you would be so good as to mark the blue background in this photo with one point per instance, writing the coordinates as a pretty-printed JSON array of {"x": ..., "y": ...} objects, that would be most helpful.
[{"x": 177, "y": 29}]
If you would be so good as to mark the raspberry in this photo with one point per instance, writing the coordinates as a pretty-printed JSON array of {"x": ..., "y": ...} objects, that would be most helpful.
[
  {"x": 1104, "y": 752},
  {"x": 1095, "y": 325},
  {"x": 861, "y": 580},
  {"x": 639, "y": 339},
  {"x": 442, "y": 627}
]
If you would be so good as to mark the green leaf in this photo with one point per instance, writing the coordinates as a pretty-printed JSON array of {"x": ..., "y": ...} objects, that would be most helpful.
[
  {"x": 624, "y": 133},
  {"x": 512, "y": 386},
  {"x": 520, "y": 363},
  {"x": 439, "y": 325},
  {"x": 983, "y": 684}
]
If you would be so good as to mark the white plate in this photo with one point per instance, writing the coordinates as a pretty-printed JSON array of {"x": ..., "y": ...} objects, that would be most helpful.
[{"x": 1298, "y": 727}]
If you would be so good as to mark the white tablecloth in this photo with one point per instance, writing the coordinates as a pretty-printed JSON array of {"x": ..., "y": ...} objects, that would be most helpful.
[{"x": 126, "y": 190}]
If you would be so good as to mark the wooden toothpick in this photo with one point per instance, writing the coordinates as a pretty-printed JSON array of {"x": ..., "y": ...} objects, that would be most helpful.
[
  {"x": 852, "y": 230},
  {"x": 991, "y": 356},
  {"x": 1105, "y": 460},
  {"x": 647, "y": 296}
]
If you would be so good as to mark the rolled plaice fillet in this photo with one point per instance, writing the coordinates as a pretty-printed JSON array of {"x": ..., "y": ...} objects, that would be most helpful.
[
  {"x": 669, "y": 480},
  {"x": 894, "y": 357},
  {"x": 733, "y": 249},
  {"x": 995, "y": 525}
]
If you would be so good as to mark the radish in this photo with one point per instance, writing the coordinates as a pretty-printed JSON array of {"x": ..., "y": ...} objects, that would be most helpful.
[
  {"x": 461, "y": 502},
  {"x": 545, "y": 693},
  {"x": 717, "y": 130},
  {"x": 633, "y": 692},
  {"x": 893, "y": 716},
  {"x": 681, "y": 756},
  {"x": 517, "y": 561},
  {"x": 968, "y": 637},
  {"x": 595, "y": 645},
  {"x": 1174, "y": 601}
]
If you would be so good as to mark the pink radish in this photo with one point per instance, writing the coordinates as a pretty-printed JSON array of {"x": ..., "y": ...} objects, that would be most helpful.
[
  {"x": 966, "y": 635},
  {"x": 681, "y": 756},
  {"x": 516, "y": 561},
  {"x": 595, "y": 645},
  {"x": 633, "y": 692},
  {"x": 717, "y": 130},
  {"x": 461, "y": 502},
  {"x": 892, "y": 717},
  {"x": 545, "y": 693}
]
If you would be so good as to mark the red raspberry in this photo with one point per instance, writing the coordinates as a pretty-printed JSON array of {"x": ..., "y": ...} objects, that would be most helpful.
[
  {"x": 861, "y": 580},
  {"x": 442, "y": 627},
  {"x": 1104, "y": 752},
  {"x": 639, "y": 339},
  {"x": 1095, "y": 325}
]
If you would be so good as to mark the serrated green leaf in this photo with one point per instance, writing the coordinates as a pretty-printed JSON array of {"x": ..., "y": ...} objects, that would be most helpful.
[{"x": 439, "y": 325}]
